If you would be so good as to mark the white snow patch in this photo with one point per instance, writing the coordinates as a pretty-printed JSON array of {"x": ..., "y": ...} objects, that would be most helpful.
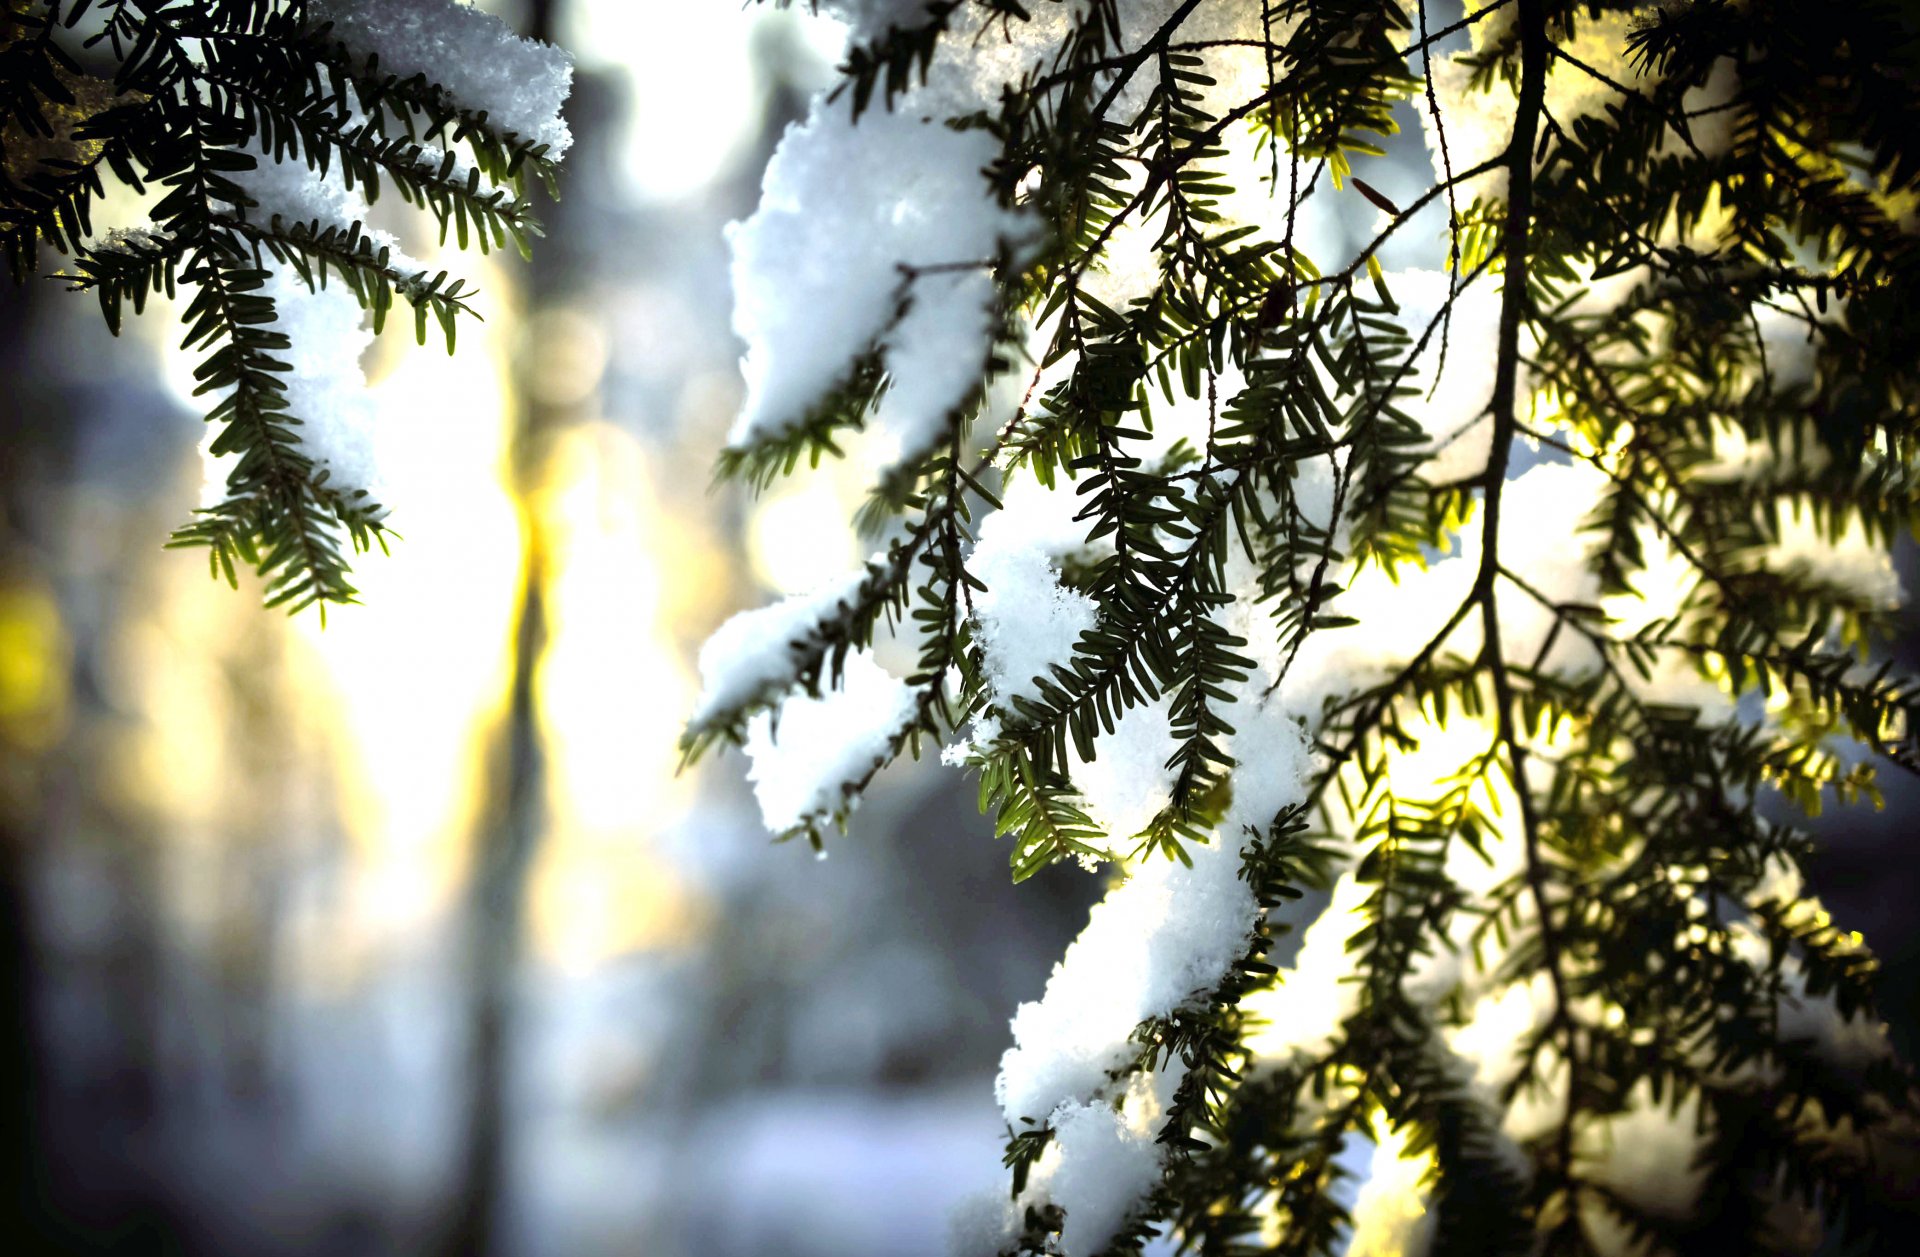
[
  {"x": 1027, "y": 620},
  {"x": 1161, "y": 936},
  {"x": 1108, "y": 1160},
  {"x": 476, "y": 57},
  {"x": 750, "y": 656},
  {"x": 803, "y": 757},
  {"x": 1128, "y": 782},
  {"x": 817, "y": 276},
  {"x": 328, "y": 331}
]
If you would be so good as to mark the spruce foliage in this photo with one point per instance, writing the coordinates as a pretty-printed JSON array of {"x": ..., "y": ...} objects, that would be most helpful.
[
  {"x": 1647, "y": 827},
  {"x": 1646, "y": 903},
  {"x": 181, "y": 99}
]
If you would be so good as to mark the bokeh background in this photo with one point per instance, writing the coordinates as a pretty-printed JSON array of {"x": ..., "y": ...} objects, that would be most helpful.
[{"x": 404, "y": 935}]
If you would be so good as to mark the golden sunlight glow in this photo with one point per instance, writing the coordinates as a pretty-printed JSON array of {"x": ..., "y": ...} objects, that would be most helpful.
[
  {"x": 389, "y": 701},
  {"x": 424, "y": 664},
  {"x": 612, "y": 694},
  {"x": 33, "y": 668},
  {"x": 1390, "y": 1214}
]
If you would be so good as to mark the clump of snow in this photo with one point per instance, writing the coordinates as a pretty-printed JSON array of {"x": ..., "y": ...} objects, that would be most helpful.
[
  {"x": 1647, "y": 1153},
  {"x": 982, "y": 1224},
  {"x": 1108, "y": 1160},
  {"x": 1272, "y": 762},
  {"x": 817, "y": 276},
  {"x": 1477, "y": 126},
  {"x": 520, "y": 83},
  {"x": 1737, "y": 456},
  {"x": 1492, "y": 1038},
  {"x": 1850, "y": 560},
  {"x": 1397, "y": 614},
  {"x": 803, "y": 756},
  {"x": 1045, "y": 518},
  {"x": 1543, "y": 540},
  {"x": 750, "y": 657},
  {"x": 1128, "y": 782},
  {"x": 1129, "y": 266},
  {"x": 869, "y": 19},
  {"x": 981, "y": 54},
  {"x": 1845, "y": 1043},
  {"x": 1790, "y": 353},
  {"x": 1165, "y": 934},
  {"x": 1601, "y": 43},
  {"x": 1027, "y": 620},
  {"x": 936, "y": 356},
  {"x": 1780, "y": 881},
  {"x": 1161, "y": 936},
  {"x": 296, "y": 194},
  {"x": 1298, "y": 1017},
  {"x": 817, "y": 269},
  {"x": 132, "y": 240},
  {"x": 326, "y": 388},
  {"x": 325, "y": 325},
  {"x": 1184, "y": 418},
  {"x": 1709, "y": 120},
  {"x": 1102, "y": 1160}
]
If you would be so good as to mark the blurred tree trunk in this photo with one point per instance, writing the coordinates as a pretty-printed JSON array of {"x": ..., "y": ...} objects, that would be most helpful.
[
  {"x": 495, "y": 927},
  {"x": 509, "y": 827},
  {"x": 22, "y": 1082},
  {"x": 79, "y": 1115},
  {"x": 19, "y": 1142}
]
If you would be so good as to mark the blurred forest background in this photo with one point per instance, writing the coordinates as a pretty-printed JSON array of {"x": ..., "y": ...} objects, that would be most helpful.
[{"x": 403, "y": 936}]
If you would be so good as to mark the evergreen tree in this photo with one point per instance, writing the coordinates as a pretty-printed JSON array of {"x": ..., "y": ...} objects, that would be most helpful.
[
  {"x": 1501, "y": 601},
  {"x": 1507, "y": 600},
  {"x": 264, "y": 128}
]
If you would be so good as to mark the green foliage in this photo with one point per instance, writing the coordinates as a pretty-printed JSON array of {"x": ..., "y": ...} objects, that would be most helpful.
[
  {"x": 182, "y": 100},
  {"x": 1645, "y": 822}
]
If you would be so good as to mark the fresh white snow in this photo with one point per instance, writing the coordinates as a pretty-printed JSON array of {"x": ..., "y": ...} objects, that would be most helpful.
[{"x": 519, "y": 83}]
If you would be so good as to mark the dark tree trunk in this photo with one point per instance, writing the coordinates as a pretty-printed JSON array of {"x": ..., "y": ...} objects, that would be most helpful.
[{"x": 507, "y": 840}]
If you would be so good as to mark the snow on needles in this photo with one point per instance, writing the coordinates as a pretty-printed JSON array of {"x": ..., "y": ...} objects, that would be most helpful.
[
  {"x": 818, "y": 276},
  {"x": 484, "y": 66},
  {"x": 326, "y": 329},
  {"x": 519, "y": 83},
  {"x": 876, "y": 240},
  {"x": 1102, "y": 1159},
  {"x": 750, "y": 657},
  {"x": 1028, "y": 621},
  {"x": 803, "y": 756},
  {"x": 804, "y": 751},
  {"x": 1162, "y": 935}
]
